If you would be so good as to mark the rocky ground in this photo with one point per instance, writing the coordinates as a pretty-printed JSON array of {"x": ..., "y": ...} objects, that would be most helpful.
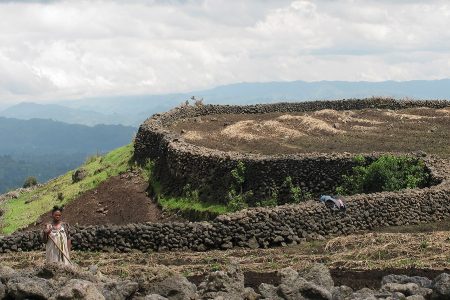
[
  {"x": 52, "y": 281},
  {"x": 358, "y": 261}
]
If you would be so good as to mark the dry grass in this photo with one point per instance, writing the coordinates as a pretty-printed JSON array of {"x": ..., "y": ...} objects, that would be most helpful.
[
  {"x": 405, "y": 116},
  {"x": 310, "y": 124},
  {"x": 325, "y": 131},
  {"x": 193, "y": 135},
  {"x": 251, "y": 130},
  {"x": 359, "y": 251}
]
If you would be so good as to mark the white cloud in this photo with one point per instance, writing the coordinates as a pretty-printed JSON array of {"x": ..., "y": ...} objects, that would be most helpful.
[{"x": 67, "y": 49}]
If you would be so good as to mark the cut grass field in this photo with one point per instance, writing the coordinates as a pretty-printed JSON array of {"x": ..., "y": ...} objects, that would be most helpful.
[{"x": 29, "y": 206}]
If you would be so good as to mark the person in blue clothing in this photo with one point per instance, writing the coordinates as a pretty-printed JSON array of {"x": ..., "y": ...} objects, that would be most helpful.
[{"x": 335, "y": 203}]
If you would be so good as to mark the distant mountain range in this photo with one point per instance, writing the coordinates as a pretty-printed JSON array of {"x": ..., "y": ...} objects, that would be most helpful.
[
  {"x": 133, "y": 110},
  {"x": 27, "y": 110},
  {"x": 46, "y": 149}
]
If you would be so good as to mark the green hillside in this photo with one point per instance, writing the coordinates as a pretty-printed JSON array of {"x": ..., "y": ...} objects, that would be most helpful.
[{"x": 26, "y": 209}]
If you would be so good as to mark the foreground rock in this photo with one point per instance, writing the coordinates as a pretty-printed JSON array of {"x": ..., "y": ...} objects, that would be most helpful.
[{"x": 62, "y": 282}]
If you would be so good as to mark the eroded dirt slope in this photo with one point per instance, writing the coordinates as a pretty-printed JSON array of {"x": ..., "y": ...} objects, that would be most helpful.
[{"x": 119, "y": 200}]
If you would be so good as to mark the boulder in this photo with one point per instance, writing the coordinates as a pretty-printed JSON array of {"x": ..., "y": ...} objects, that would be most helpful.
[
  {"x": 79, "y": 289},
  {"x": 26, "y": 288},
  {"x": 2, "y": 290},
  {"x": 310, "y": 290},
  {"x": 407, "y": 289},
  {"x": 342, "y": 293},
  {"x": 174, "y": 287},
  {"x": 268, "y": 291},
  {"x": 288, "y": 276},
  {"x": 441, "y": 287},
  {"x": 420, "y": 281},
  {"x": 6, "y": 273},
  {"x": 250, "y": 294},
  {"x": 294, "y": 286},
  {"x": 78, "y": 175},
  {"x": 320, "y": 275},
  {"x": 120, "y": 290},
  {"x": 364, "y": 294},
  {"x": 227, "y": 284}
]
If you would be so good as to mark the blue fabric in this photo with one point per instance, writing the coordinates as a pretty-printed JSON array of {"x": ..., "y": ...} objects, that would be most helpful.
[{"x": 325, "y": 198}]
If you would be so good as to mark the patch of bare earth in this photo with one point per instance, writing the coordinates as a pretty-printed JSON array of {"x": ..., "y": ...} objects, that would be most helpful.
[
  {"x": 323, "y": 131},
  {"x": 119, "y": 200}
]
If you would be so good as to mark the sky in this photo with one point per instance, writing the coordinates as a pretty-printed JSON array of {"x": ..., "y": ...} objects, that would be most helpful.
[{"x": 73, "y": 49}]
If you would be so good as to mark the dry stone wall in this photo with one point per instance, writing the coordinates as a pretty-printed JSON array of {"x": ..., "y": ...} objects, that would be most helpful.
[
  {"x": 179, "y": 163},
  {"x": 257, "y": 227},
  {"x": 261, "y": 227}
]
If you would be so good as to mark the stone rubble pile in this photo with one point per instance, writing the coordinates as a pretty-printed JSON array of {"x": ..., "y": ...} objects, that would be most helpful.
[{"x": 64, "y": 282}]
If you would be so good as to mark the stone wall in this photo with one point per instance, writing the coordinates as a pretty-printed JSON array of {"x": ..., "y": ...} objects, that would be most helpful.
[
  {"x": 263, "y": 227},
  {"x": 179, "y": 163},
  {"x": 257, "y": 227}
]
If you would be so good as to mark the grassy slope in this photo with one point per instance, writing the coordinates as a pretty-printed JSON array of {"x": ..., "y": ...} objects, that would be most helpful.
[{"x": 19, "y": 214}]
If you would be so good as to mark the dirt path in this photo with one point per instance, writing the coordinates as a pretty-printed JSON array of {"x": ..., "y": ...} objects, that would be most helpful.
[{"x": 119, "y": 200}]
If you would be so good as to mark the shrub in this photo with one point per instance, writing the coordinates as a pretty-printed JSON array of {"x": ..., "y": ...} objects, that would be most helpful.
[
  {"x": 30, "y": 181},
  {"x": 237, "y": 199},
  {"x": 191, "y": 194},
  {"x": 387, "y": 173},
  {"x": 60, "y": 196},
  {"x": 290, "y": 193}
]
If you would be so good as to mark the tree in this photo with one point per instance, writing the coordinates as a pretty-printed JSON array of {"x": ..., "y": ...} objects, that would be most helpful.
[{"x": 30, "y": 181}]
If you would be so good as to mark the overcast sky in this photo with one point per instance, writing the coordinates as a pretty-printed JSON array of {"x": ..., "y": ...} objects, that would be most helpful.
[{"x": 72, "y": 49}]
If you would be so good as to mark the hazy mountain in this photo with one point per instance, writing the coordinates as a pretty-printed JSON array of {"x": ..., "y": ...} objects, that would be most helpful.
[
  {"x": 27, "y": 111},
  {"x": 45, "y": 148},
  {"x": 40, "y": 136},
  {"x": 133, "y": 110},
  {"x": 143, "y": 106},
  {"x": 14, "y": 170}
]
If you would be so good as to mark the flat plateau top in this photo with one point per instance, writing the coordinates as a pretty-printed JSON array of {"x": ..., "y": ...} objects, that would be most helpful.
[{"x": 324, "y": 131}]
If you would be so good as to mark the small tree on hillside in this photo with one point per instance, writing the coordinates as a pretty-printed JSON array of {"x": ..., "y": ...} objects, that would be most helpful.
[{"x": 30, "y": 181}]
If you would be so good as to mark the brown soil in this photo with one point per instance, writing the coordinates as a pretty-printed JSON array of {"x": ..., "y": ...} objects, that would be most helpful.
[
  {"x": 119, "y": 200},
  {"x": 324, "y": 131}
]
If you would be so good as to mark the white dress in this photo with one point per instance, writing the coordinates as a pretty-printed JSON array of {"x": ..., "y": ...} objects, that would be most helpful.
[{"x": 59, "y": 236}]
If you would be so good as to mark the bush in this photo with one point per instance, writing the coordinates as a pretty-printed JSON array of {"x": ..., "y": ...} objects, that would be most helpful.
[
  {"x": 387, "y": 173},
  {"x": 237, "y": 199},
  {"x": 30, "y": 181}
]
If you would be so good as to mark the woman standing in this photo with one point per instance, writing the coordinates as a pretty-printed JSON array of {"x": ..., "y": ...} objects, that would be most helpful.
[{"x": 56, "y": 235}]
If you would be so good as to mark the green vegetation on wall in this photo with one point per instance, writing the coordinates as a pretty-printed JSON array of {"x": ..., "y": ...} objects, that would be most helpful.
[
  {"x": 188, "y": 204},
  {"x": 387, "y": 173}
]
